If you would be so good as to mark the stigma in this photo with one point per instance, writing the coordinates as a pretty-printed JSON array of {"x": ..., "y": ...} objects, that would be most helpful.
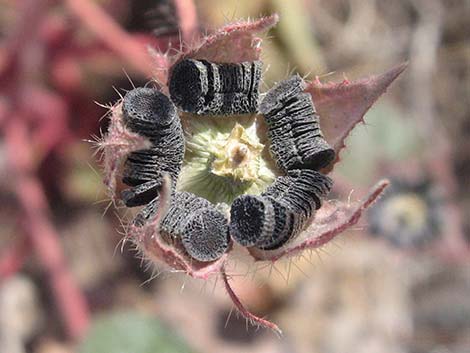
[{"x": 236, "y": 157}]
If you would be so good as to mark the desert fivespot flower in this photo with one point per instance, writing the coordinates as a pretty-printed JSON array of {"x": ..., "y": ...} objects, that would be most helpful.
[{"x": 219, "y": 166}]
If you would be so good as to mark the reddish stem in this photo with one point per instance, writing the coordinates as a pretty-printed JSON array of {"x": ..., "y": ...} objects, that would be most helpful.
[
  {"x": 244, "y": 311},
  {"x": 13, "y": 258},
  {"x": 188, "y": 19},
  {"x": 41, "y": 234},
  {"x": 22, "y": 34},
  {"x": 118, "y": 40},
  {"x": 44, "y": 238}
]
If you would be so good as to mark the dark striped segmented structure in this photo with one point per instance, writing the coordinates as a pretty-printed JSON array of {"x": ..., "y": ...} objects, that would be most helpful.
[
  {"x": 206, "y": 88},
  {"x": 150, "y": 113},
  {"x": 192, "y": 221},
  {"x": 162, "y": 18},
  {"x": 266, "y": 221},
  {"x": 271, "y": 219},
  {"x": 296, "y": 141}
]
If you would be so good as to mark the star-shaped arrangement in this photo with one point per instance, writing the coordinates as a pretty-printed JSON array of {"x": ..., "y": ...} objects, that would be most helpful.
[{"x": 220, "y": 167}]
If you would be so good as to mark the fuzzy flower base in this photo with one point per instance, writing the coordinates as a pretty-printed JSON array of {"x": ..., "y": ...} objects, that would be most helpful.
[{"x": 341, "y": 107}]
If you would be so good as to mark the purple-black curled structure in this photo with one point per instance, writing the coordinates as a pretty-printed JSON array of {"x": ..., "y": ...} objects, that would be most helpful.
[
  {"x": 268, "y": 221},
  {"x": 193, "y": 222},
  {"x": 296, "y": 141},
  {"x": 150, "y": 113},
  {"x": 206, "y": 88},
  {"x": 205, "y": 235},
  {"x": 252, "y": 219}
]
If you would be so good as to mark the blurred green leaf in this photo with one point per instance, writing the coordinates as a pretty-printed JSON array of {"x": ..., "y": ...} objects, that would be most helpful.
[
  {"x": 131, "y": 332},
  {"x": 387, "y": 136},
  {"x": 296, "y": 33}
]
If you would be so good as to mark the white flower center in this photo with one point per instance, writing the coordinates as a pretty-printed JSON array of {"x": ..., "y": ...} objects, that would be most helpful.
[
  {"x": 237, "y": 156},
  {"x": 224, "y": 158}
]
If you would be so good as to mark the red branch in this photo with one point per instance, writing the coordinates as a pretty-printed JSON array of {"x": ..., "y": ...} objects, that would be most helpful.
[
  {"x": 244, "y": 311},
  {"x": 44, "y": 238},
  {"x": 13, "y": 258},
  {"x": 188, "y": 19},
  {"x": 31, "y": 15},
  {"x": 110, "y": 33},
  {"x": 40, "y": 232}
]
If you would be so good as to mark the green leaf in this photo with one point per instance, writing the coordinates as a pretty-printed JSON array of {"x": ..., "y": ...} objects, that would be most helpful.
[{"x": 130, "y": 332}]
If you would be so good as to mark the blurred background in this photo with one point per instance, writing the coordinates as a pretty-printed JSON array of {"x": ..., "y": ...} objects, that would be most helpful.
[{"x": 399, "y": 282}]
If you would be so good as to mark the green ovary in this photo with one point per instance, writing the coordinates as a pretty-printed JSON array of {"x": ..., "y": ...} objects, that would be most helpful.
[{"x": 225, "y": 158}]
